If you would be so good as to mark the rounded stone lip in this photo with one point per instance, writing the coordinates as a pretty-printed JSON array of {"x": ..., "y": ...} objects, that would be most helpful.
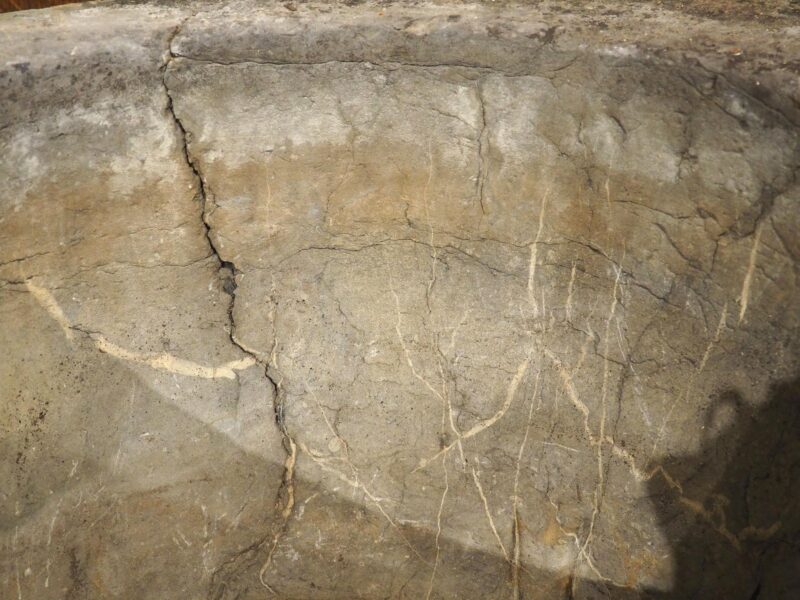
[{"x": 516, "y": 38}]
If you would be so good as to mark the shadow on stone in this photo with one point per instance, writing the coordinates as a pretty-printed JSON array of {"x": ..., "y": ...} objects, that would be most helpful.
[{"x": 734, "y": 524}]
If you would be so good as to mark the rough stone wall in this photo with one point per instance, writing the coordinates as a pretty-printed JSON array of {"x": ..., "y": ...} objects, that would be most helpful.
[{"x": 397, "y": 301}]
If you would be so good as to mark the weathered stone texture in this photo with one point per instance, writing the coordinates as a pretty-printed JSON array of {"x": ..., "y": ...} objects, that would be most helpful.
[{"x": 397, "y": 301}]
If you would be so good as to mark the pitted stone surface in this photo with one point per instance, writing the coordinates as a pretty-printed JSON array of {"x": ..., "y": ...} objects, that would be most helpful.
[{"x": 398, "y": 301}]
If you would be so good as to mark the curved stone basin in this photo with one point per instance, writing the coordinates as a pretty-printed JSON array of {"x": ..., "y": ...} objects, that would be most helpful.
[{"x": 398, "y": 301}]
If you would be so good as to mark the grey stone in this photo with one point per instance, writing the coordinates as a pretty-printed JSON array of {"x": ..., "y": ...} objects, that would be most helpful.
[{"x": 398, "y": 300}]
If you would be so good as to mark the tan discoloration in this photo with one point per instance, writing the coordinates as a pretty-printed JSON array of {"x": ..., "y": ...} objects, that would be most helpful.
[{"x": 552, "y": 534}]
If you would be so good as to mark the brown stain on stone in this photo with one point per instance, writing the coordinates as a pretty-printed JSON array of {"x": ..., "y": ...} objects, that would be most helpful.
[
  {"x": 72, "y": 238},
  {"x": 552, "y": 534},
  {"x": 389, "y": 195},
  {"x": 637, "y": 565}
]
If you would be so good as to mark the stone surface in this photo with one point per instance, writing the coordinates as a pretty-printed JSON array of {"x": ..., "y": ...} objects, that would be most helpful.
[{"x": 398, "y": 301}]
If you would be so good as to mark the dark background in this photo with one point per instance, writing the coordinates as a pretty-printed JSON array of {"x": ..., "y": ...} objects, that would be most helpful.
[{"x": 9, "y": 5}]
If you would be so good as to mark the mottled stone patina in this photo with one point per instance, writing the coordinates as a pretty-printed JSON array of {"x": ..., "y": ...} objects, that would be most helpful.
[{"x": 398, "y": 300}]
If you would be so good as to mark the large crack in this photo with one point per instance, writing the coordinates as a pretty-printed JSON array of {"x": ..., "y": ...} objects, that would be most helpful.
[
  {"x": 483, "y": 143},
  {"x": 228, "y": 273}
]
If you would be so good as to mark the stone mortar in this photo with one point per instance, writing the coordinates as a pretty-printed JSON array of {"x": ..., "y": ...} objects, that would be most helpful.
[{"x": 399, "y": 300}]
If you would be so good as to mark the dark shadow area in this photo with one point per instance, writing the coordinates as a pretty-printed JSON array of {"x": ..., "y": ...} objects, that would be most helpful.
[{"x": 735, "y": 535}]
